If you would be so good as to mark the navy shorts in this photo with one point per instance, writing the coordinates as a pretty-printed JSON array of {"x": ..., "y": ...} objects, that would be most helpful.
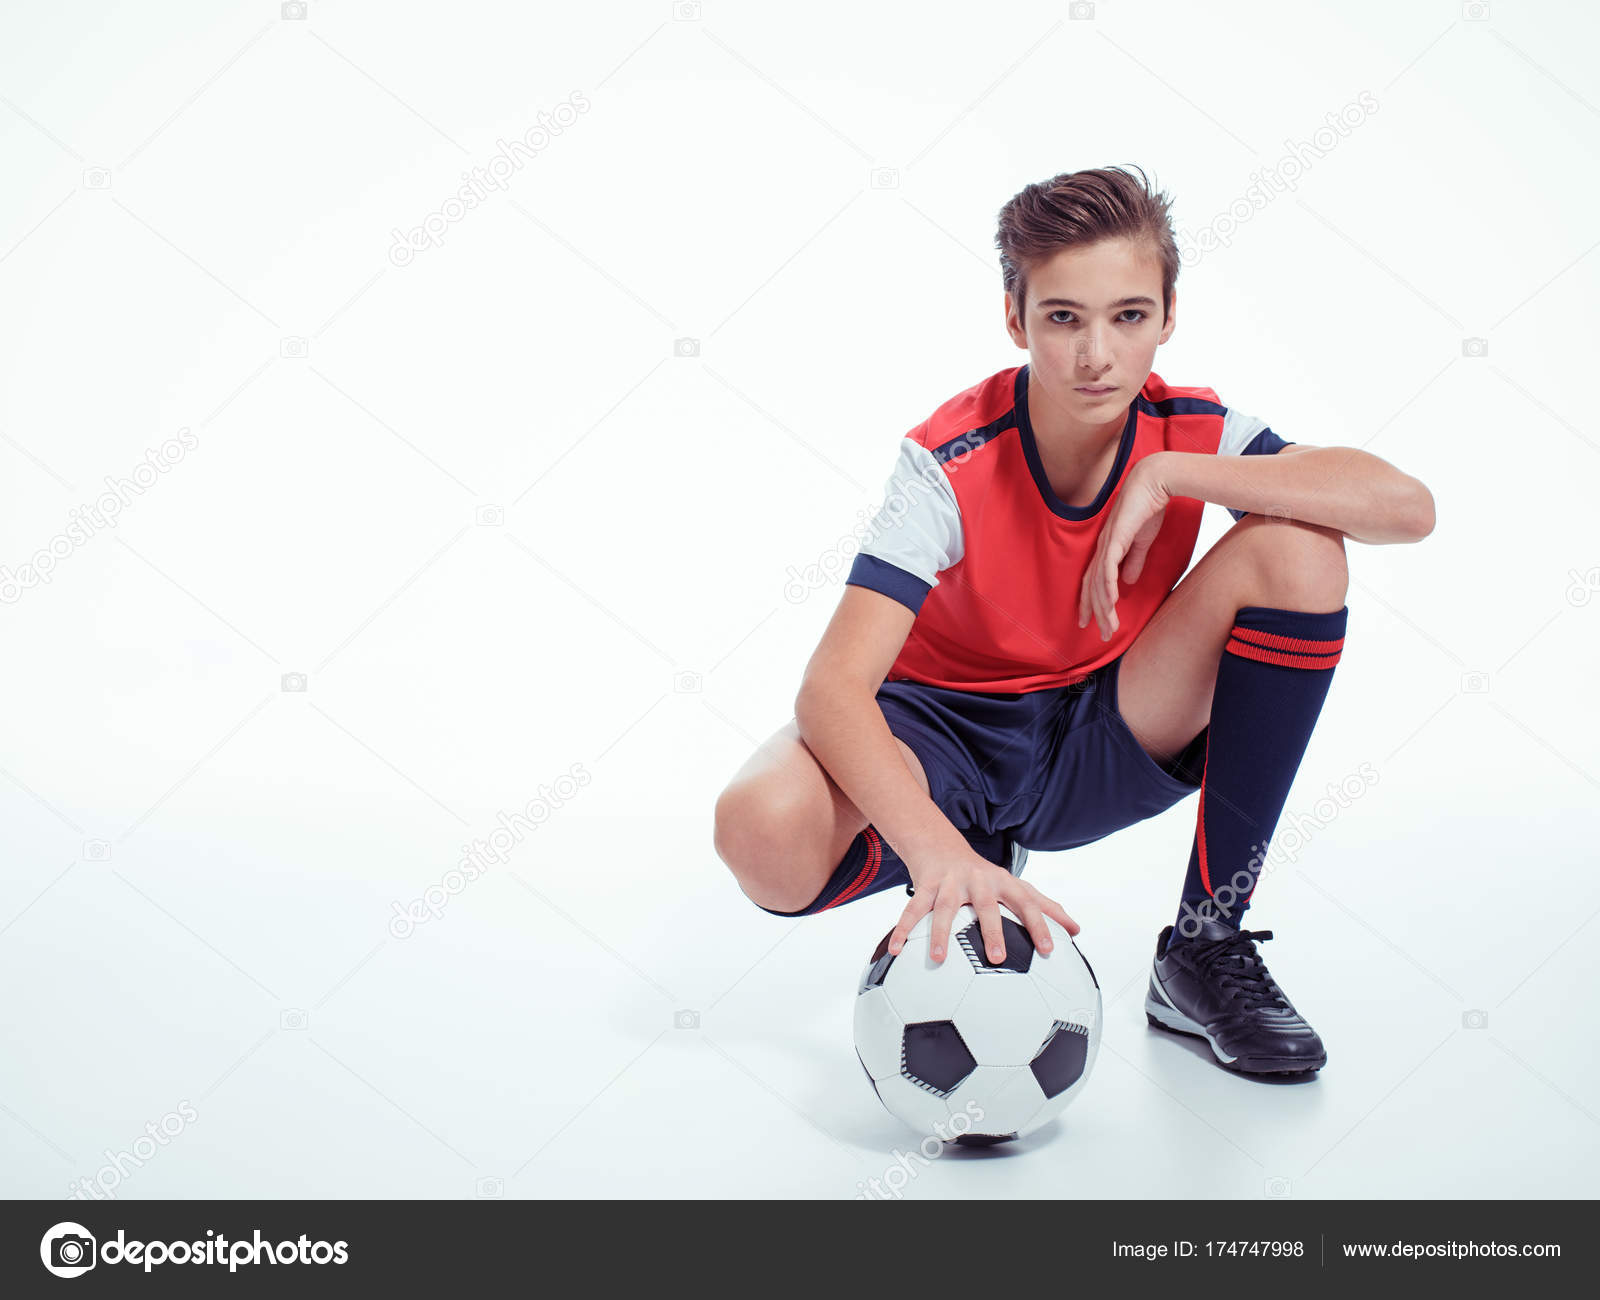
[
  {"x": 1052, "y": 769},
  {"x": 1056, "y": 768}
]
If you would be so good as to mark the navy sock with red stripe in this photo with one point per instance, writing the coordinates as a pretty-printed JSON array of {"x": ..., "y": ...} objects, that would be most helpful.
[
  {"x": 1271, "y": 683},
  {"x": 869, "y": 866}
]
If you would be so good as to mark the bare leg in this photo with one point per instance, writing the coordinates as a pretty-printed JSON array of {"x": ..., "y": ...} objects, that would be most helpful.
[
  {"x": 1166, "y": 681},
  {"x": 782, "y": 825}
]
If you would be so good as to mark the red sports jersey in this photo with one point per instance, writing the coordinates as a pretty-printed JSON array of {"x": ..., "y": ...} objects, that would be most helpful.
[{"x": 972, "y": 538}]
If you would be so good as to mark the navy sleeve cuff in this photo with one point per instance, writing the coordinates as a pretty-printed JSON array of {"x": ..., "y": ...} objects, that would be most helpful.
[{"x": 880, "y": 576}]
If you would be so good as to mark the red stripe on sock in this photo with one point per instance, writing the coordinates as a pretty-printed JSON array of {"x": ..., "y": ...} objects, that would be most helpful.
[
  {"x": 1247, "y": 651},
  {"x": 1200, "y": 821},
  {"x": 865, "y": 876},
  {"x": 1293, "y": 643}
]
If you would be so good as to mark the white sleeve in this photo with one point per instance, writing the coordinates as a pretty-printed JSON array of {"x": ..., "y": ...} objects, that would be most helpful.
[{"x": 916, "y": 532}]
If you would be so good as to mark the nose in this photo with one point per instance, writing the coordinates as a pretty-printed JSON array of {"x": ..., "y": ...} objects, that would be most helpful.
[{"x": 1093, "y": 357}]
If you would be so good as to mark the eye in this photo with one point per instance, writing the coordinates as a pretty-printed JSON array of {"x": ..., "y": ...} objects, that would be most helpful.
[{"x": 1130, "y": 311}]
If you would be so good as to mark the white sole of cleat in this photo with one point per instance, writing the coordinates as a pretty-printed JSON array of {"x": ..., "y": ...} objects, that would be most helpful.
[{"x": 1167, "y": 1016}]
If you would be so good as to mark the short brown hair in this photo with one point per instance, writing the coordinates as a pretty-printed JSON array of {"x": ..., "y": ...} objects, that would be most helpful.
[{"x": 1077, "y": 208}]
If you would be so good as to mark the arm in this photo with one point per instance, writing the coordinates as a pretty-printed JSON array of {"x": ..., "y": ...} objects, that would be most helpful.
[
  {"x": 841, "y": 724},
  {"x": 1360, "y": 494},
  {"x": 917, "y": 535},
  {"x": 840, "y": 721}
]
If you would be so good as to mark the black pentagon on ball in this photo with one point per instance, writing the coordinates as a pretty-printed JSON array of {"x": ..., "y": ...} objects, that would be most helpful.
[
  {"x": 934, "y": 1056},
  {"x": 985, "y": 1139},
  {"x": 1058, "y": 1064},
  {"x": 1019, "y": 948},
  {"x": 877, "y": 965}
]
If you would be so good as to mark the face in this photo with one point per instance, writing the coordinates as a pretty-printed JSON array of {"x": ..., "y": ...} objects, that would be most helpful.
[{"x": 1081, "y": 330}]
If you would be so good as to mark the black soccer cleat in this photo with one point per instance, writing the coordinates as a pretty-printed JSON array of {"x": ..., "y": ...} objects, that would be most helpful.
[{"x": 1216, "y": 986}]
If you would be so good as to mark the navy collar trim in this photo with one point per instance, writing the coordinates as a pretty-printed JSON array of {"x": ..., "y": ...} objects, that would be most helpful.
[{"x": 1030, "y": 449}]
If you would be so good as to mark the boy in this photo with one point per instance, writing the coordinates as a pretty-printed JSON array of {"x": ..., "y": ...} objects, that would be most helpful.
[{"x": 1011, "y": 666}]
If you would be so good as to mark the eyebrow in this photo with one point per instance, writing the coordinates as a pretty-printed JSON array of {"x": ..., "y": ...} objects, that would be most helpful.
[{"x": 1078, "y": 306}]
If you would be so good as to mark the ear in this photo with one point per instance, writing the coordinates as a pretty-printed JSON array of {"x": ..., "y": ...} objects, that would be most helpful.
[
  {"x": 1172, "y": 320},
  {"x": 1014, "y": 326}
]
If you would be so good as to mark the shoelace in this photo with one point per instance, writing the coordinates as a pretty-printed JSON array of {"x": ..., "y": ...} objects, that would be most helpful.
[{"x": 1238, "y": 967}]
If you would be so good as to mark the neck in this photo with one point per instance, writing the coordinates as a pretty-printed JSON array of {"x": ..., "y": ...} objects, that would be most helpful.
[{"x": 1055, "y": 427}]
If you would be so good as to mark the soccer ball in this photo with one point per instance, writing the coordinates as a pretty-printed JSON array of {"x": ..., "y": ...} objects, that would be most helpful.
[{"x": 973, "y": 1051}]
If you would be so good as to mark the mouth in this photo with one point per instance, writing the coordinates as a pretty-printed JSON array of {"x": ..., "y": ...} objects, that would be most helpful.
[{"x": 1095, "y": 390}]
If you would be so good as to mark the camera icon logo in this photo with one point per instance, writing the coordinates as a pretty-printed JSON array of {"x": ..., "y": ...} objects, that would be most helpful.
[
  {"x": 1278, "y": 515},
  {"x": 686, "y": 683},
  {"x": 1080, "y": 10},
  {"x": 96, "y": 851},
  {"x": 686, "y": 1020},
  {"x": 1474, "y": 347},
  {"x": 686, "y": 11},
  {"x": 490, "y": 516},
  {"x": 294, "y": 347},
  {"x": 67, "y": 1250},
  {"x": 96, "y": 178},
  {"x": 292, "y": 11},
  {"x": 685, "y": 347},
  {"x": 1475, "y": 683},
  {"x": 1583, "y": 586},
  {"x": 885, "y": 178},
  {"x": 1277, "y": 1188},
  {"x": 1475, "y": 11},
  {"x": 293, "y": 1018},
  {"x": 1474, "y": 1019},
  {"x": 491, "y": 1188},
  {"x": 294, "y": 681}
]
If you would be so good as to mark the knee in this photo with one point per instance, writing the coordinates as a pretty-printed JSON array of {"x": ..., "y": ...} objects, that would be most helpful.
[
  {"x": 761, "y": 835},
  {"x": 1300, "y": 565}
]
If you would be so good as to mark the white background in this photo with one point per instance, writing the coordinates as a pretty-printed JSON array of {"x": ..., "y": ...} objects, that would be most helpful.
[{"x": 200, "y": 868}]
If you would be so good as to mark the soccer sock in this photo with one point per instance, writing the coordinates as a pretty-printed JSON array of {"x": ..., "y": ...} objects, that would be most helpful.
[
  {"x": 1273, "y": 677},
  {"x": 869, "y": 866}
]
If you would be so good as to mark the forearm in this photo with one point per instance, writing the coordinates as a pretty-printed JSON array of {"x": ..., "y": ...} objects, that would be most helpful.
[
  {"x": 845, "y": 729},
  {"x": 1361, "y": 495}
]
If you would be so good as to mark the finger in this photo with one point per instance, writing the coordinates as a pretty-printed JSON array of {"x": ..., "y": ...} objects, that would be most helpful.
[
  {"x": 1133, "y": 566},
  {"x": 994, "y": 938},
  {"x": 1034, "y": 920},
  {"x": 1111, "y": 600},
  {"x": 919, "y": 906},
  {"x": 1086, "y": 595},
  {"x": 944, "y": 915},
  {"x": 1058, "y": 914}
]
